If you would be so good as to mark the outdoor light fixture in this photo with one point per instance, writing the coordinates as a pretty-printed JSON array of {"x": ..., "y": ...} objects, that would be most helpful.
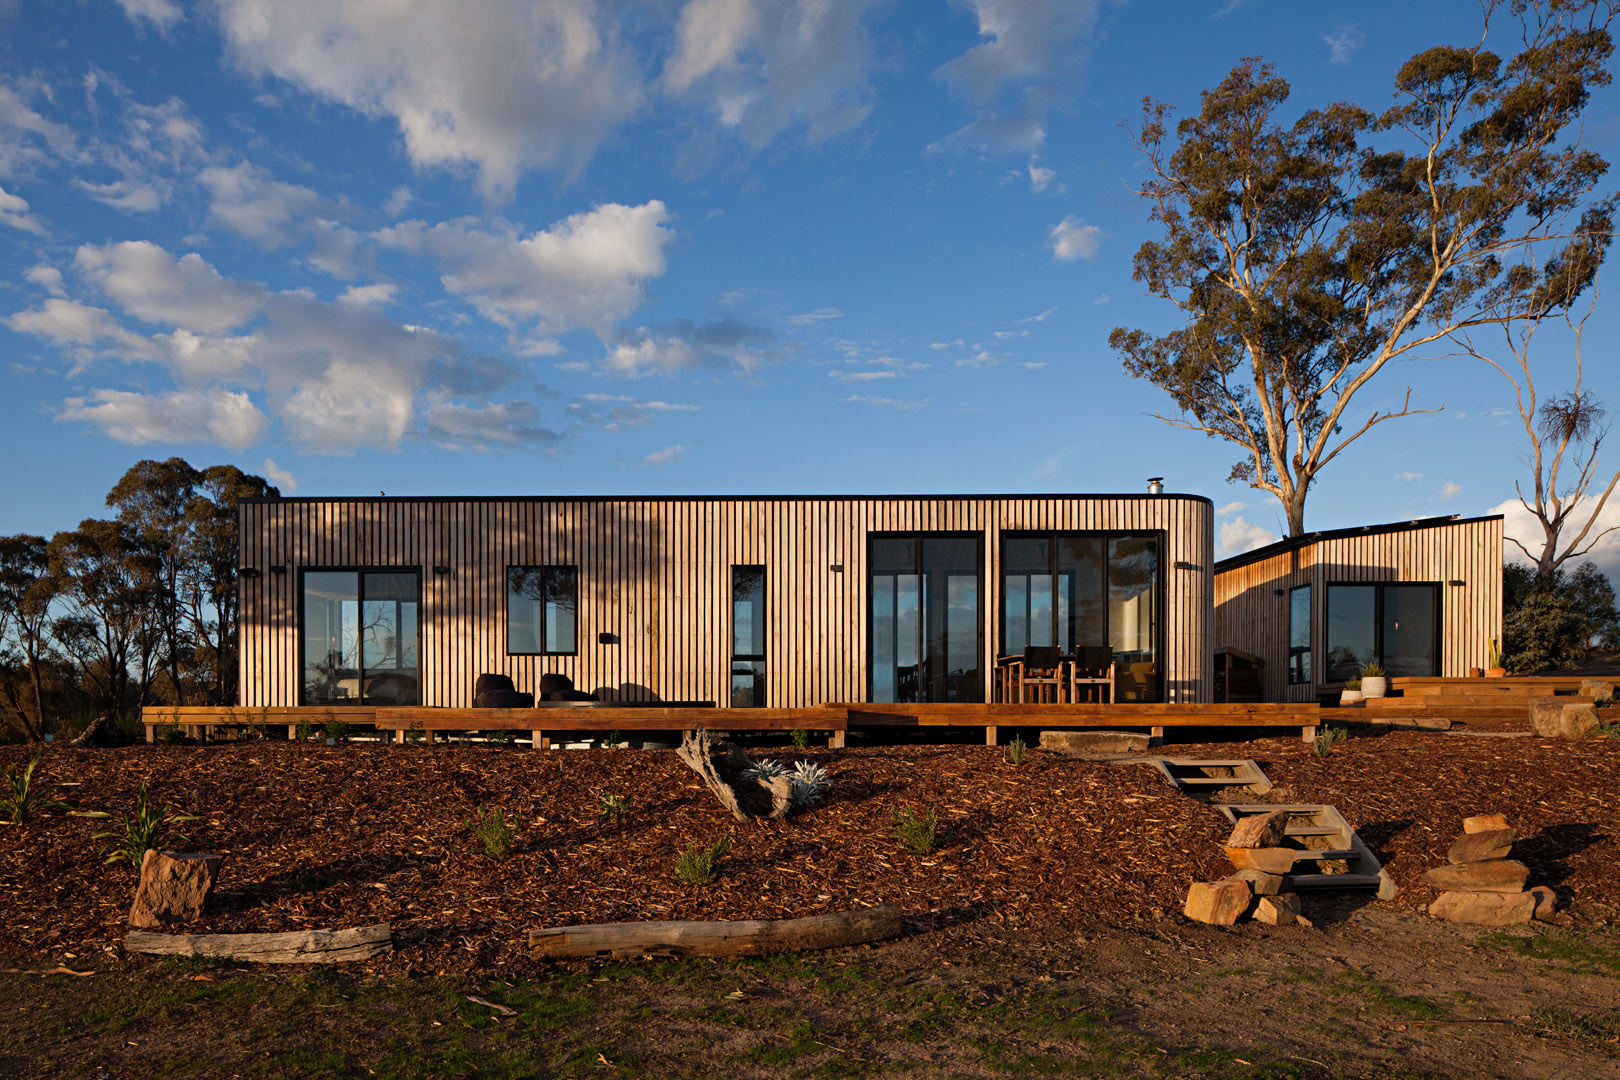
[
  {"x": 441, "y": 569},
  {"x": 278, "y": 568},
  {"x": 607, "y": 637},
  {"x": 837, "y": 568},
  {"x": 248, "y": 571},
  {"x": 1458, "y": 582},
  {"x": 1276, "y": 592}
]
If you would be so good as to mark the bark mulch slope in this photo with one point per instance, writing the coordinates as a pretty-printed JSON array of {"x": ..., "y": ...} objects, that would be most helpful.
[{"x": 350, "y": 835}]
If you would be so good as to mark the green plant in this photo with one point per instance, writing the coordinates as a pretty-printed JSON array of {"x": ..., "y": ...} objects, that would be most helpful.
[
  {"x": 1322, "y": 745},
  {"x": 170, "y": 734},
  {"x": 494, "y": 832},
  {"x": 1017, "y": 749},
  {"x": 1495, "y": 653},
  {"x": 336, "y": 730},
  {"x": 1372, "y": 670},
  {"x": 22, "y": 800},
  {"x": 917, "y": 833},
  {"x": 810, "y": 781},
  {"x": 144, "y": 827},
  {"x": 614, "y": 738},
  {"x": 306, "y": 728},
  {"x": 415, "y": 732},
  {"x": 1352, "y": 684},
  {"x": 1599, "y": 1026},
  {"x": 698, "y": 864},
  {"x": 611, "y": 807},
  {"x": 801, "y": 739}
]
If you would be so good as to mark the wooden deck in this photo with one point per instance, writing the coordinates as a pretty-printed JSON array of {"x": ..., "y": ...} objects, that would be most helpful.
[{"x": 202, "y": 721}]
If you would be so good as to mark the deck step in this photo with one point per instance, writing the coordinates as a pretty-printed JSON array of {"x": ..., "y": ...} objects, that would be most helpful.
[{"x": 1321, "y": 820}]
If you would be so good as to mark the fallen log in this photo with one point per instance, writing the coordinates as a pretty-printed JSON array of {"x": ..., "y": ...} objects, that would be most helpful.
[
  {"x": 295, "y": 947},
  {"x": 724, "y": 769},
  {"x": 743, "y": 937}
]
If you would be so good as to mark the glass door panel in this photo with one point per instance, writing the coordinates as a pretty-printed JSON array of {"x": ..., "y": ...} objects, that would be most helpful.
[
  {"x": 1133, "y": 579},
  {"x": 360, "y": 634},
  {"x": 1410, "y": 624},
  {"x": 331, "y": 638},
  {"x": 926, "y": 629},
  {"x": 1352, "y": 629}
]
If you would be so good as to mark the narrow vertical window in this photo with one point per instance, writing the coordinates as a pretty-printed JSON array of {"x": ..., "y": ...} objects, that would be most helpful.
[
  {"x": 747, "y": 636},
  {"x": 542, "y": 609},
  {"x": 1299, "y": 634}
]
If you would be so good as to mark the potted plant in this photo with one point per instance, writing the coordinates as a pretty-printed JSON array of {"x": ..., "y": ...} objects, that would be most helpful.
[
  {"x": 1351, "y": 694},
  {"x": 1373, "y": 682},
  {"x": 1496, "y": 670},
  {"x": 1476, "y": 673}
]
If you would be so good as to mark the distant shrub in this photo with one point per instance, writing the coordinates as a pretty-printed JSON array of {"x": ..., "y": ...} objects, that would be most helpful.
[
  {"x": 611, "y": 807},
  {"x": 495, "y": 834},
  {"x": 1017, "y": 750},
  {"x": 144, "y": 827},
  {"x": 22, "y": 799},
  {"x": 336, "y": 729},
  {"x": 699, "y": 863},
  {"x": 917, "y": 833},
  {"x": 1325, "y": 739},
  {"x": 801, "y": 739}
]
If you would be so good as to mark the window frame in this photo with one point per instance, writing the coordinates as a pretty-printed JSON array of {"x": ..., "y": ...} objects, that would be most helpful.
[
  {"x": 506, "y": 584},
  {"x": 978, "y": 536},
  {"x": 1309, "y": 649},
  {"x": 360, "y": 572},
  {"x": 759, "y": 658},
  {"x": 1378, "y": 587}
]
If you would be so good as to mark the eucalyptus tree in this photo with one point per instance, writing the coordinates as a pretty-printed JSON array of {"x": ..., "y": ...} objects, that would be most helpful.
[
  {"x": 27, "y": 590},
  {"x": 210, "y": 560},
  {"x": 1305, "y": 257},
  {"x": 151, "y": 499},
  {"x": 109, "y": 617}
]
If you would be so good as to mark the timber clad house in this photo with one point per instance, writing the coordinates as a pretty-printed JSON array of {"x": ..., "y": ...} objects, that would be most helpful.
[
  {"x": 775, "y": 601},
  {"x": 801, "y": 601}
]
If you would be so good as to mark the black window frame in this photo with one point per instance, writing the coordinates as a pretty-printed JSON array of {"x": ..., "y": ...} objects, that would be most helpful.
[
  {"x": 984, "y": 675},
  {"x": 362, "y": 571},
  {"x": 506, "y": 585},
  {"x": 1161, "y": 585},
  {"x": 1378, "y": 588},
  {"x": 761, "y": 674},
  {"x": 1308, "y": 650}
]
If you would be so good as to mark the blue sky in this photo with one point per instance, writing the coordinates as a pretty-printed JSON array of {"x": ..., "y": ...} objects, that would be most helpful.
[{"x": 685, "y": 246}]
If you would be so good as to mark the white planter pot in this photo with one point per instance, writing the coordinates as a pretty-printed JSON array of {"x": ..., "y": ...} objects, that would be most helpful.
[
  {"x": 1349, "y": 697},
  {"x": 1374, "y": 686}
]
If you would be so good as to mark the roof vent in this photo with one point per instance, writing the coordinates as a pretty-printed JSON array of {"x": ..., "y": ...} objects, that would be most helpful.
[{"x": 1155, "y": 485}]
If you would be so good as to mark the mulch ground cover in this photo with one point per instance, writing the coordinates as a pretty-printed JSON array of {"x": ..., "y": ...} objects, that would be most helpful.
[{"x": 342, "y": 836}]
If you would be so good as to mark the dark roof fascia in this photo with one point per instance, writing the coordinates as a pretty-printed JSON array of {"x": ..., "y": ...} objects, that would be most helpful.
[
  {"x": 713, "y": 498},
  {"x": 1292, "y": 543}
]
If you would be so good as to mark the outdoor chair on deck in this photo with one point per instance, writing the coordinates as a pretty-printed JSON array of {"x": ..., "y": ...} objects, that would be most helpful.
[
  {"x": 1042, "y": 673},
  {"x": 1092, "y": 674}
]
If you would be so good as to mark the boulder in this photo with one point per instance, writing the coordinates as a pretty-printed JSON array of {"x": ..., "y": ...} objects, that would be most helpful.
[
  {"x": 1260, "y": 882},
  {"x": 1279, "y": 910},
  {"x": 1484, "y": 908},
  {"x": 102, "y": 732},
  {"x": 1546, "y": 903},
  {"x": 1490, "y": 875},
  {"x": 1484, "y": 823},
  {"x": 1479, "y": 846},
  {"x": 1260, "y": 830},
  {"x": 1221, "y": 903},
  {"x": 173, "y": 888},
  {"x": 1597, "y": 689},
  {"x": 1089, "y": 743},
  {"x": 1272, "y": 860},
  {"x": 1552, "y": 718}
]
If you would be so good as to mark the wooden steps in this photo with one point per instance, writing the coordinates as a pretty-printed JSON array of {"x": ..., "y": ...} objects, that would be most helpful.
[
  {"x": 1319, "y": 833},
  {"x": 1198, "y": 776}
]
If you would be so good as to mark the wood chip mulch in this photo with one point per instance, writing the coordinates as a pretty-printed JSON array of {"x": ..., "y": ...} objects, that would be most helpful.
[{"x": 345, "y": 836}]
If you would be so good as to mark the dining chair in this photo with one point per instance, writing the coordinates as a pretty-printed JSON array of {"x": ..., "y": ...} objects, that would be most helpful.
[{"x": 1042, "y": 672}]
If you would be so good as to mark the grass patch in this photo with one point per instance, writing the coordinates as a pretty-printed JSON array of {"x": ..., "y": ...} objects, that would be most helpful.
[
  {"x": 1590, "y": 953},
  {"x": 1600, "y": 1027}
]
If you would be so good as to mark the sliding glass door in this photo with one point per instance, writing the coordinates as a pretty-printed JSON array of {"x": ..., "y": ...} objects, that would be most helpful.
[
  {"x": 360, "y": 637},
  {"x": 925, "y": 628}
]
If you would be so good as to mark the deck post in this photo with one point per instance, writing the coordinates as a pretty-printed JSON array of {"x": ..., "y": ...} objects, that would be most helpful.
[
  {"x": 151, "y": 733},
  {"x": 539, "y": 741},
  {"x": 835, "y": 740},
  {"x": 399, "y": 735},
  {"x": 1156, "y": 736},
  {"x": 292, "y": 732},
  {"x": 989, "y": 734},
  {"x": 1307, "y": 734}
]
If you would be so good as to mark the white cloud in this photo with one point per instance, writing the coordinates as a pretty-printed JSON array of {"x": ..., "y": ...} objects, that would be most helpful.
[
  {"x": 399, "y": 201},
  {"x": 761, "y": 66},
  {"x": 14, "y": 212},
  {"x": 213, "y": 415},
  {"x": 128, "y": 195},
  {"x": 1522, "y": 525},
  {"x": 368, "y": 295},
  {"x": 1029, "y": 62},
  {"x": 46, "y": 277},
  {"x": 683, "y": 344},
  {"x": 885, "y": 402},
  {"x": 160, "y": 13},
  {"x": 70, "y": 323},
  {"x": 666, "y": 455},
  {"x": 153, "y": 285},
  {"x": 1074, "y": 239},
  {"x": 521, "y": 85},
  {"x": 1042, "y": 317},
  {"x": 284, "y": 481},
  {"x": 251, "y": 202},
  {"x": 1237, "y": 536},
  {"x": 495, "y": 426},
  {"x": 861, "y": 376},
  {"x": 1231, "y": 508},
  {"x": 1449, "y": 490},
  {"x": 980, "y": 357},
  {"x": 26, "y": 137},
  {"x": 1343, "y": 43},
  {"x": 1041, "y": 178},
  {"x": 586, "y": 271},
  {"x": 614, "y": 412},
  {"x": 819, "y": 315},
  {"x": 1409, "y": 476}
]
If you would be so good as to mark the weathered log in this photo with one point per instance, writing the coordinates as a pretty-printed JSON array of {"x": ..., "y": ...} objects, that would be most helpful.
[
  {"x": 296, "y": 947},
  {"x": 744, "y": 937},
  {"x": 723, "y": 766}
]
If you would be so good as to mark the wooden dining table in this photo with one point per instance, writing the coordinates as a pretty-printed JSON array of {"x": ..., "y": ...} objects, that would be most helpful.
[{"x": 1009, "y": 674}]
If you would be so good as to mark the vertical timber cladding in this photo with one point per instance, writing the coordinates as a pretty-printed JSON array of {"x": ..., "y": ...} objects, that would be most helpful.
[
  {"x": 1462, "y": 556},
  {"x": 654, "y": 615}
]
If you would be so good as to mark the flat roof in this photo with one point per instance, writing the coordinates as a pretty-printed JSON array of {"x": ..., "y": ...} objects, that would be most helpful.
[
  {"x": 1293, "y": 542},
  {"x": 717, "y": 498}
]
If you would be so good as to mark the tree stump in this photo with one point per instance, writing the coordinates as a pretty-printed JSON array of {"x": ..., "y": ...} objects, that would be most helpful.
[{"x": 723, "y": 766}]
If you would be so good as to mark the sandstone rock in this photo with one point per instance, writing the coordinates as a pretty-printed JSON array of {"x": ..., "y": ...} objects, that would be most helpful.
[
  {"x": 1279, "y": 910},
  {"x": 1490, "y": 875},
  {"x": 1082, "y": 743},
  {"x": 1552, "y": 718},
  {"x": 1259, "y": 830},
  {"x": 1262, "y": 883},
  {"x": 1219, "y": 902},
  {"x": 1546, "y": 903},
  {"x": 173, "y": 889},
  {"x": 1484, "y": 823},
  {"x": 1484, "y": 909},
  {"x": 1477, "y": 847},
  {"x": 1272, "y": 860},
  {"x": 1597, "y": 689}
]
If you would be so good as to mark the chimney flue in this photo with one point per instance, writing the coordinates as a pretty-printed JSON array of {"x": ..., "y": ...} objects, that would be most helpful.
[{"x": 1155, "y": 485}]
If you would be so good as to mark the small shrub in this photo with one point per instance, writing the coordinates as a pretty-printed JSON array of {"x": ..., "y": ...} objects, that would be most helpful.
[
  {"x": 337, "y": 730},
  {"x": 917, "y": 833},
  {"x": 143, "y": 828},
  {"x": 698, "y": 864},
  {"x": 1017, "y": 750},
  {"x": 306, "y": 728},
  {"x": 1322, "y": 745},
  {"x": 170, "y": 734},
  {"x": 21, "y": 800},
  {"x": 1372, "y": 670},
  {"x": 810, "y": 782},
  {"x": 801, "y": 739},
  {"x": 504, "y": 736},
  {"x": 415, "y": 732},
  {"x": 497, "y": 835},
  {"x": 614, "y": 739},
  {"x": 765, "y": 769},
  {"x": 611, "y": 807}
]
